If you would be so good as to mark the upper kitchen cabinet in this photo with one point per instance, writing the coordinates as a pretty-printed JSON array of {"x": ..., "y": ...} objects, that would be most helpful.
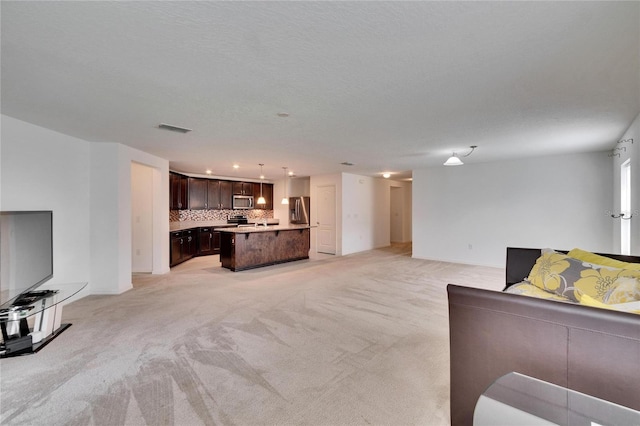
[
  {"x": 198, "y": 189},
  {"x": 177, "y": 191},
  {"x": 219, "y": 195},
  {"x": 212, "y": 194},
  {"x": 243, "y": 188},
  {"x": 226, "y": 195},
  {"x": 267, "y": 193}
]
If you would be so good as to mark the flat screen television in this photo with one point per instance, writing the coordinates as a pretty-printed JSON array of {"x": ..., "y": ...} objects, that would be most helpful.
[{"x": 26, "y": 252}]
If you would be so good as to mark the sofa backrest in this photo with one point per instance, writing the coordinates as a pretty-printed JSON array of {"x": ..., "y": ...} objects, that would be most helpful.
[{"x": 593, "y": 351}]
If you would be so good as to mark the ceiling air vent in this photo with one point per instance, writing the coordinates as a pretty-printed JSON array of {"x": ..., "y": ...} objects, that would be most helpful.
[{"x": 173, "y": 128}]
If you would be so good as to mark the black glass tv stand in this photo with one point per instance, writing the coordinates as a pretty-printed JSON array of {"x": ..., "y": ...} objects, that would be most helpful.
[{"x": 43, "y": 309}]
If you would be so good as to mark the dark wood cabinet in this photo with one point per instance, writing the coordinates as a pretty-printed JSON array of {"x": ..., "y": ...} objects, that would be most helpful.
[
  {"x": 243, "y": 188},
  {"x": 205, "y": 241},
  {"x": 198, "y": 193},
  {"x": 267, "y": 193},
  {"x": 183, "y": 246},
  {"x": 219, "y": 196},
  {"x": 208, "y": 242},
  {"x": 193, "y": 242},
  {"x": 177, "y": 191},
  {"x": 190, "y": 244},
  {"x": 176, "y": 247},
  {"x": 212, "y": 194},
  {"x": 227, "y": 249},
  {"x": 226, "y": 195},
  {"x": 216, "y": 242}
]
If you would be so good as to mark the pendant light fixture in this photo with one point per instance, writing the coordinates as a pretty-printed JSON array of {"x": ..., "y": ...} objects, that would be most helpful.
[
  {"x": 454, "y": 160},
  {"x": 261, "y": 199},
  {"x": 285, "y": 200}
]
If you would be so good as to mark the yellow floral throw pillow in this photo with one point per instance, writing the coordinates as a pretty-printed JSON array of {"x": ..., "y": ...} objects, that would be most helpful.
[
  {"x": 571, "y": 278},
  {"x": 596, "y": 259},
  {"x": 547, "y": 272}
]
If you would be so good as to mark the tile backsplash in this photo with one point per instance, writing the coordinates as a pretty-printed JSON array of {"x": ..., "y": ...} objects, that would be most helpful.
[{"x": 201, "y": 215}]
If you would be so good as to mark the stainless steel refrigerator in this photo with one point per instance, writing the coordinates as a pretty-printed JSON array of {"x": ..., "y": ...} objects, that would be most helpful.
[{"x": 299, "y": 210}]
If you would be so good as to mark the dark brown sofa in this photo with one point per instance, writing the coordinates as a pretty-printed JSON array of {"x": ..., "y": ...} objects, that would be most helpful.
[{"x": 590, "y": 350}]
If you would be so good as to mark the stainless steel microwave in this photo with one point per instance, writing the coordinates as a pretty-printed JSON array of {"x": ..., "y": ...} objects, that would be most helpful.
[{"x": 243, "y": 201}]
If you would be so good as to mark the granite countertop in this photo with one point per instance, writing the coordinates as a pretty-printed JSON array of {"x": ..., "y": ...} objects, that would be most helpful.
[
  {"x": 261, "y": 228},
  {"x": 190, "y": 224}
]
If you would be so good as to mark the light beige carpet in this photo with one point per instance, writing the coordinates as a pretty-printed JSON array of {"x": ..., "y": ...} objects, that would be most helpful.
[{"x": 359, "y": 339}]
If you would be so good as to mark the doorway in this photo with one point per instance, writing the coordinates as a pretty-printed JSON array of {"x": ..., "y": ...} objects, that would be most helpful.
[{"x": 396, "y": 205}]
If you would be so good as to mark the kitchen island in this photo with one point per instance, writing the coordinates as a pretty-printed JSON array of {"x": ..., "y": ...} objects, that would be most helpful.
[{"x": 255, "y": 246}]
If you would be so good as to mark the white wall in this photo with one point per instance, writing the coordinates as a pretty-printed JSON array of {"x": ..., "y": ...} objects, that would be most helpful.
[
  {"x": 471, "y": 213},
  {"x": 88, "y": 188},
  {"x": 628, "y": 151},
  {"x": 141, "y": 218},
  {"x": 111, "y": 215},
  {"x": 45, "y": 170},
  {"x": 363, "y": 211},
  {"x": 104, "y": 208},
  {"x": 299, "y": 187},
  {"x": 366, "y": 212},
  {"x": 280, "y": 211}
]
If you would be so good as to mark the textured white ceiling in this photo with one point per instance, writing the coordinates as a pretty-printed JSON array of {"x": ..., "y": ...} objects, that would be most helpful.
[{"x": 388, "y": 86}]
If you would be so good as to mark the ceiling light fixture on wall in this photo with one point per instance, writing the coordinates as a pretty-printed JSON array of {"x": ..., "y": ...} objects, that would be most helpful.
[
  {"x": 261, "y": 199},
  {"x": 454, "y": 160},
  {"x": 285, "y": 200}
]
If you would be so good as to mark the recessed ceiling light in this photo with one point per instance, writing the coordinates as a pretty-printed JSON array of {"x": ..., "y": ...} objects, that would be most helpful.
[
  {"x": 283, "y": 114},
  {"x": 290, "y": 173},
  {"x": 386, "y": 175},
  {"x": 209, "y": 171},
  {"x": 235, "y": 166},
  {"x": 172, "y": 128}
]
